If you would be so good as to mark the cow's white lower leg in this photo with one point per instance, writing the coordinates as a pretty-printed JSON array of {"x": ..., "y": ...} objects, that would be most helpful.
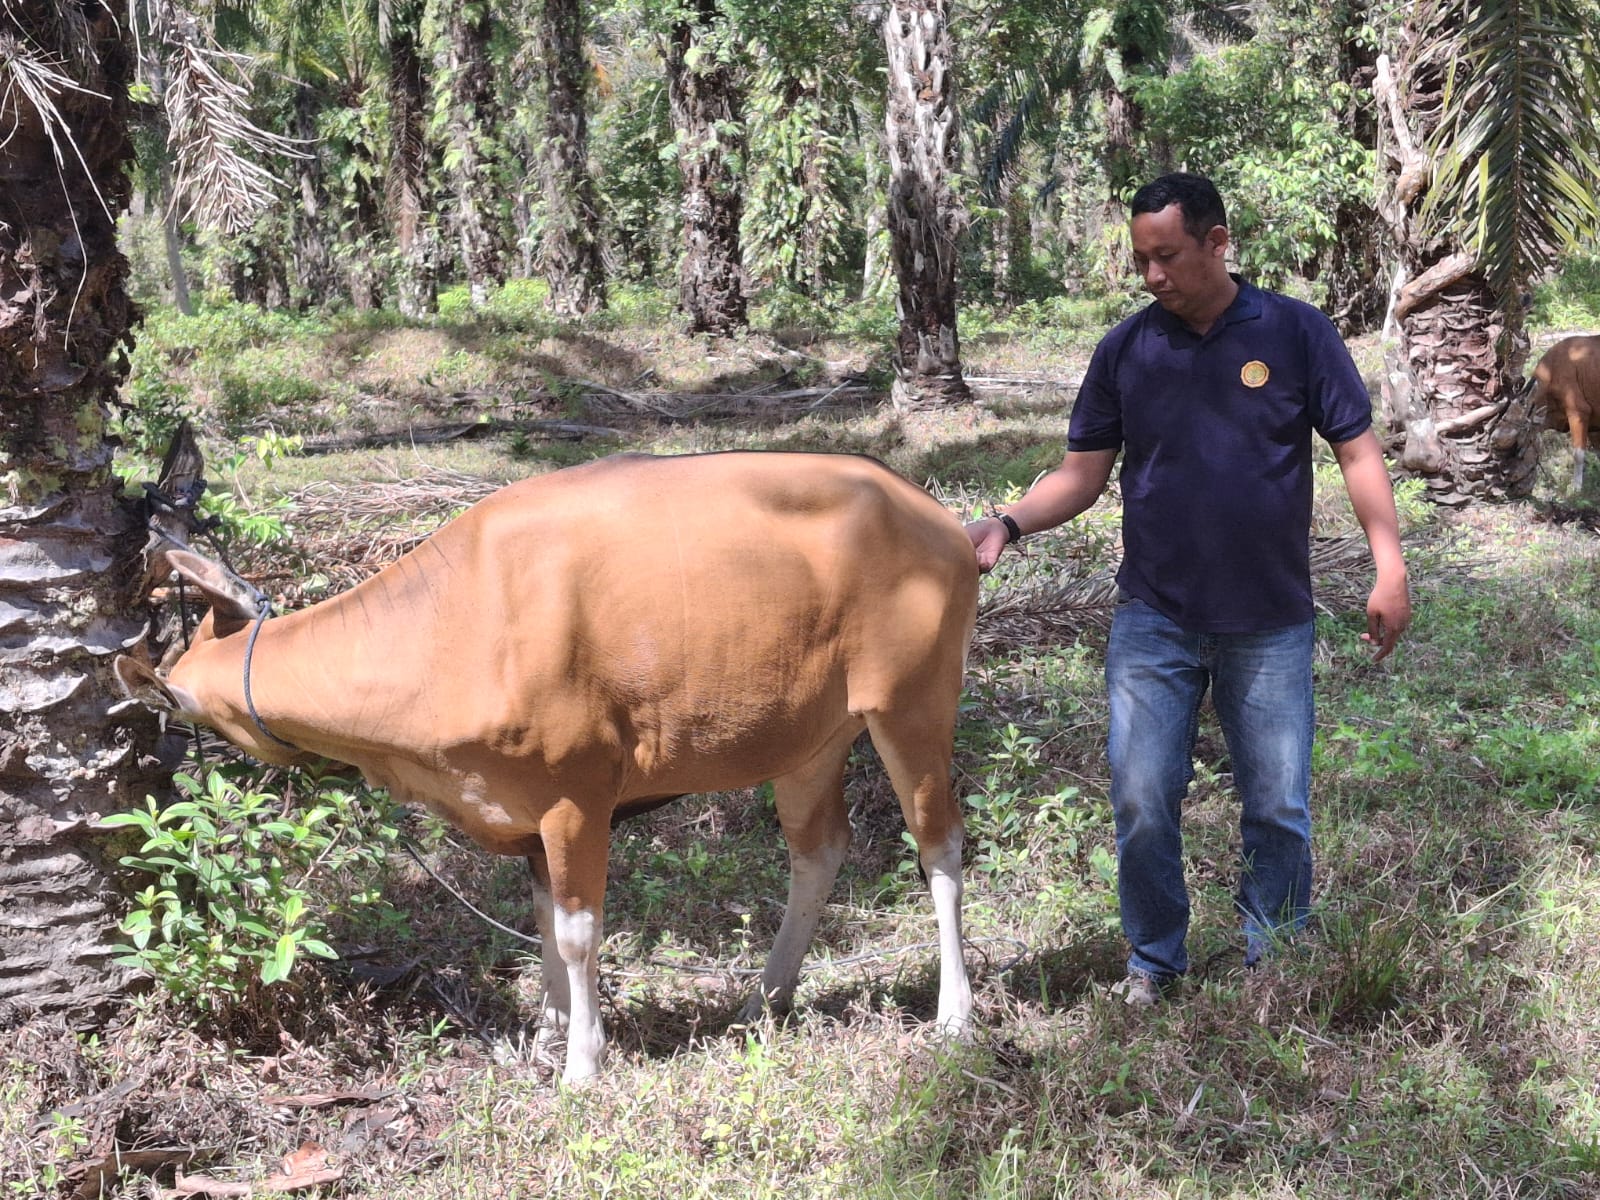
[
  {"x": 1577, "y": 470},
  {"x": 943, "y": 867},
  {"x": 811, "y": 878},
  {"x": 577, "y": 940},
  {"x": 556, "y": 1003}
]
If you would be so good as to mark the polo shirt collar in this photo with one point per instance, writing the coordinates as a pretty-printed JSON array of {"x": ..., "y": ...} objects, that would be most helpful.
[{"x": 1246, "y": 306}]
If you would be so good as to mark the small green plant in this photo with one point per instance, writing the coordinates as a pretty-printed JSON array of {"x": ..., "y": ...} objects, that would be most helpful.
[
  {"x": 152, "y": 408},
  {"x": 248, "y": 392},
  {"x": 63, "y": 1138},
  {"x": 1544, "y": 767},
  {"x": 230, "y": 908},
  {"x": 1570, "y": 299},
  {"x": 260, "y": 525}
]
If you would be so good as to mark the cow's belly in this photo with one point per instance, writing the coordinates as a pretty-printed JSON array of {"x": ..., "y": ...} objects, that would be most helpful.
[
  {"x": 497, "y": 790},
  {"x": 732, "y": 755}
]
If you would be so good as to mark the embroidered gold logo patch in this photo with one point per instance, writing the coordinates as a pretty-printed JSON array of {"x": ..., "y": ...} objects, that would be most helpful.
[{"x": 1254, "y": 373}]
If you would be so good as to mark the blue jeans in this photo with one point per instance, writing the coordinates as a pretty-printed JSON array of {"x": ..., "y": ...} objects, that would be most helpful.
[{"x": 1156, "y": 676}]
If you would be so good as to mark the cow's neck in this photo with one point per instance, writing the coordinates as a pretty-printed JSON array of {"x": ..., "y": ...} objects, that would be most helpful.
[{"x": 333, "y": 680}]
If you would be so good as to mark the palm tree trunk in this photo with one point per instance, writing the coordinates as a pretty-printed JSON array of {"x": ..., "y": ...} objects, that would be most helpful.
[
  {"x": 1013, "y": 243},
  {"x": 925, "y": 218},
  {"x": 706, "y": 106},
  {"x": 875, "y": 268},
  {"x": 417, "y": 284},
  {"x": 1355, "y": 263},
  {"x": 473, "y": 112},
  {"x": 312, "y": 251},
  {"x": 1453, "y": 350},
  {"x": 572, "y": 224},
  {"x": 69, "y": 545},
  {"x": 172, "y": 235}
]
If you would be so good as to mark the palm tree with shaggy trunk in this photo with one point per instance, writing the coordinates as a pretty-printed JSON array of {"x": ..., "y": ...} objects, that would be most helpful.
[
  {"x": 470, "y": 125},
  {"x": 707, "y": 117},
  {"x": 69, "y": 544},
  {"x": 925, "y": 217},
  {"x": 572, "y": 262},
  {"x": 71, "y": 571},
  {"x": 1491, "y": 151}
]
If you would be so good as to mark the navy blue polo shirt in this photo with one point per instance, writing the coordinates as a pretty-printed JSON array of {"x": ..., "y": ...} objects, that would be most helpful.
[{"x": 1216, "y": 465}]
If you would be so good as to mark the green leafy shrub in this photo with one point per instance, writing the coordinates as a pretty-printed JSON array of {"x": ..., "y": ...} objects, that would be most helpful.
[
  {"x": 518, "y": 305},
  {"x": 254, "y": 385},
  {"x": 231, "y": 911},
  {"x": 1541, "y": 765},
  {"x": 220, "y": 330},
  {"x": 1570, "y": 299}
]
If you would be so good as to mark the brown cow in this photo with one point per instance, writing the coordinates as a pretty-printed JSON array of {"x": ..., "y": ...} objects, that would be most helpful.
[
  {"x": 593, "y": 642},
  {"x": 1567, "y": 386}
]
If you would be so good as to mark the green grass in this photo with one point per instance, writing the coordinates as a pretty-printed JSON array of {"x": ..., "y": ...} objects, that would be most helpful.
[{"x": 1433, "y": 1035}]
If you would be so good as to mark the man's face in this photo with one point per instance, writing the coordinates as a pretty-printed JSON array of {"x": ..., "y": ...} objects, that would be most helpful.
[{"x": 1188, "y": 277}]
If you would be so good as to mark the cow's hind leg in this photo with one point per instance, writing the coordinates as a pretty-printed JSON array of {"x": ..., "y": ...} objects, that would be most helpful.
[
  {"x": 915, "y": 746},
  {"x": 816, "y": 826},
  {"x": 576, "y": 844},
  {"x": 556, "y": 1003},
  {"x": 1578, "y": 429}
]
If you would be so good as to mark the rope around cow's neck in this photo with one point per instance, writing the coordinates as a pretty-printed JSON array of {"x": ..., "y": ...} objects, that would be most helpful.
[{"x": 263, "y": 610}]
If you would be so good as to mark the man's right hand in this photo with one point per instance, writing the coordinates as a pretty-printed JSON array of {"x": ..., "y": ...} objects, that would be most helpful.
[{"x": 989, "y": 537}]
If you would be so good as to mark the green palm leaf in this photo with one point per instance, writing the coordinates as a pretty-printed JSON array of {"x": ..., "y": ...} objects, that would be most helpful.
[{"x": 1516, "y": 149}]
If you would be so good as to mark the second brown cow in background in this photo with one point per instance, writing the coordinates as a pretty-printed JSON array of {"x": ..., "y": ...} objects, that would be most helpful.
[{"x": 1567, "y": 388}]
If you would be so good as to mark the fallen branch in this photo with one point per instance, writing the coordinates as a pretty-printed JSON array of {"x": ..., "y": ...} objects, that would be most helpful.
[
  {"x": 682, "y": 406},
  {"x": 200, "y": 1185},
  {"x": 426, "y": 435},
  {"x": 1020, "y": 381}
]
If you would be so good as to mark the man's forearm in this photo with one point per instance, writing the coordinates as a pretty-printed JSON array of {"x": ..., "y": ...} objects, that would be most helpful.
[
  {"x": 1366, "y": 480},
  {"x": 1065, "y": 492}
]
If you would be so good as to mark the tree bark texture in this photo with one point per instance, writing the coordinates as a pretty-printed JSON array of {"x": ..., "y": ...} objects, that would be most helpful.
[
  {"x": 706, "y": 115},
  {"x": 1355, "y": 276},
  {"x": 313, "y": 273},
  {"x": 472, "y": 118},
  {"x": 1453, "y": 401},
  {"x": 172, "y": 236},
  {"x": 572, "y": 263},
  {"x": 70, "y": 564},
  {"x": 925, "y": 217},
  {"x": 417, "y": 284}
]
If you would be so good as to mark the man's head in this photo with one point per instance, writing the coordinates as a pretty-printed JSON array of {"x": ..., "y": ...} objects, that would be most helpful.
[
  {"x": 1180, "y": 244},
  {"x": 1195, "y": 195}
]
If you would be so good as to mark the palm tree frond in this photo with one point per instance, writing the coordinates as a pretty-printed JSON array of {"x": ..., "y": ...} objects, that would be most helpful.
[
  {"x": 1516, "y": 150},
  {"x": 215, "y": 142}
]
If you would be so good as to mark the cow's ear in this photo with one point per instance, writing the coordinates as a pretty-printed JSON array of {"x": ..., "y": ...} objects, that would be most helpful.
[
  {"x": 231, "y": 599},
  {"x": 139, "y": 682},
  {"x": 182, "y": 469}
]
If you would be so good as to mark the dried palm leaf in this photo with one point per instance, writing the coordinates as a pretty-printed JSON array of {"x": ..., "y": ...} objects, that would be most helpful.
[{"x": 212, "y": 137}]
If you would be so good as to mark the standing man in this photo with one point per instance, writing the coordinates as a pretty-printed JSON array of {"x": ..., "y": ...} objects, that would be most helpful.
[{"x": 1212, "y": 394}]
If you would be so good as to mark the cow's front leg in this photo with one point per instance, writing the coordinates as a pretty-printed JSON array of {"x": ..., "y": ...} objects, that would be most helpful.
[{"x": 576, "y": 843}]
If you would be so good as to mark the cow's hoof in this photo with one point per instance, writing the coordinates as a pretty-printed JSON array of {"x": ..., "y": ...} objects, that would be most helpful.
[{"x": 759, "y": 1007}]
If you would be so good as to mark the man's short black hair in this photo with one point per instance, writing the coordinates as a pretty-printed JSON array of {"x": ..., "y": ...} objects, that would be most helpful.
[{"x": 1195, "y": 195}]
